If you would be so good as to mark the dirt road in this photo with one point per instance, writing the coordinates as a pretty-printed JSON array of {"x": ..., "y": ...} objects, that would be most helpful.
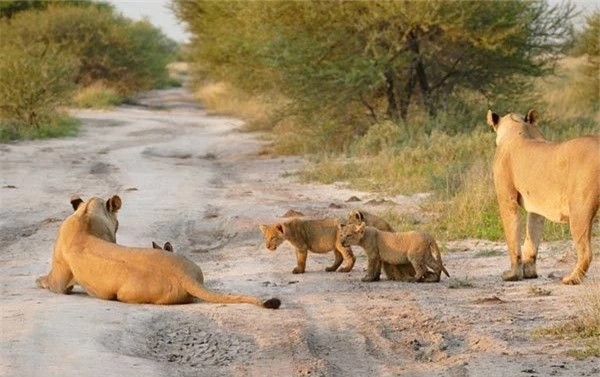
[{"x": 199, "y": 182}]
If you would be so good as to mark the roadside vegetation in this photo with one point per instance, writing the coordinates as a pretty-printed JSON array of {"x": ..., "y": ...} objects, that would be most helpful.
[
  {"x": 72, "y": 53},
  {"x": 391, "y": 97}
]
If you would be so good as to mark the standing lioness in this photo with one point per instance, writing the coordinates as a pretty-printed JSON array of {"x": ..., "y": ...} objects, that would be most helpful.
[
  {"x": 318, "y": 236},
  {"x": 396, "y": 249},
  {"x": 113, "y": 272},
  {"x": 557, "y": 181}
]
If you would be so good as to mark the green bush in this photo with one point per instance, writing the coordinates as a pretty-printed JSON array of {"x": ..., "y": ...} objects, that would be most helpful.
[
  {"x": 35, "y": 80},
  {"x": 127, "y": 55},
  {"x": 54, "y": 126}
]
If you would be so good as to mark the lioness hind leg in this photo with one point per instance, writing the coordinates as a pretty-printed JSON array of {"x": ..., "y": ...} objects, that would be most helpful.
[
  {"x": 338, "y": 261},
  {"x": 535, "y": 225},
  {"x": 581, "y": 230}
]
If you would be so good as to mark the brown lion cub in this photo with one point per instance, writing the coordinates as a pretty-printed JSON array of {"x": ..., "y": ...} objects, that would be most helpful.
[
  {"x": 415, "y": 248},
  {"x": 318, "y": 236},
  {"x": 357, "y": 217},
  {"x": 402, "y": 272},
  {"x": 168, "y": 247}
]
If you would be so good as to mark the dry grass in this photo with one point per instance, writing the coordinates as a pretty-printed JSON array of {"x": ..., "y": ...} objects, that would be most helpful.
[
  {"x": 222, "y": 98},
  {"x": 97, "y": 96},
  {"x": 585, "y": 326}
]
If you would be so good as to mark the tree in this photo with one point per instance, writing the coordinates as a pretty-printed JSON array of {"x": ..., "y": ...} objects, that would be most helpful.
[
  {"x": 389, "y": 57},
  {"x": 588, "y": 44}
]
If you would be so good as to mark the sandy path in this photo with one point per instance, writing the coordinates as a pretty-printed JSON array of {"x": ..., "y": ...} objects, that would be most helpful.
[{"x": 195, "y": 180}]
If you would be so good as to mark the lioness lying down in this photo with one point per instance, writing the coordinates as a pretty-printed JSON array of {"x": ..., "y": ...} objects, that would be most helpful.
[
  {"x": 114, "y": 272},
  {"x": 318, "y": 236},
  {"x": 556, "y": 181},
  {"x": 415, "y": 248}
]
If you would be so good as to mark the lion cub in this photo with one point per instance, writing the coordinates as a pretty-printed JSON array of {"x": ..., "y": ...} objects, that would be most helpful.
[
  {"x": 168, "y": 247},
  {"x": 415, "y": 248},
  {"x": 318, "y": 236},
  {"x": 357, "y": 217},
  {"x": 403, "y": 272}
]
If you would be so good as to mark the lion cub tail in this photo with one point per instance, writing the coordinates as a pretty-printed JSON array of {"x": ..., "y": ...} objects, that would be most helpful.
[
  {"x": 197, "y": 290},
  {"x": 438, "y": 256}
]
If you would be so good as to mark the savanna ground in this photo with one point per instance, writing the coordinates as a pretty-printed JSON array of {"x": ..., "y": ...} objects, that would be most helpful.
[{"x": 199, "y": 182}]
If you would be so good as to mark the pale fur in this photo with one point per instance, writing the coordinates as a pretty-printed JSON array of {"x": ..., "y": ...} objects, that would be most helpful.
[
  {"x": 414, "y": 248},
  {"x": 114, "y": 272},
  {"x": 318, "y": 236},
  {"x": 403, "y": 272},
  {"x": 558, "y": 181}
]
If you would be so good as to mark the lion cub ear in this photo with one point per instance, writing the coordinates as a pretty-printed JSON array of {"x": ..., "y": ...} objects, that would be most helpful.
[
  {"x": 168, "y": 247},
  {"x": 113, "y": 204},
  {"x": 361, "y": 227},
  {"x": 75, "y": 202},
  {"x": 279, "y": 227},
  {"x": 493, "y": 119},
  {"x": 532, "y": 117},
  {"x": 263, "y": 228},
  {"x": 155, "y": 245}
]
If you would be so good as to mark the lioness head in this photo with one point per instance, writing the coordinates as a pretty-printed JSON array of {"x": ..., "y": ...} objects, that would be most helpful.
[
  {"x": 512, "y": 122},
  {"x": 102, "y": 214},
  {"x": 168, "y": 247},
  {"x": 273, "y": 235},
  {"x": 352, "y": 234}
]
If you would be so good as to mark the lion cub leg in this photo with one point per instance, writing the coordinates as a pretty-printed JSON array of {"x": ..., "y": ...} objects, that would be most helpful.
[
  {"x": 348, "y": 256},
  {"x": 373, "y": 269},
  {"x": 301, "y": 255},
  {"x": 398, "y": 272},
  {"x": 535, "y": 225},
  {"x": 338, "y": 261}
]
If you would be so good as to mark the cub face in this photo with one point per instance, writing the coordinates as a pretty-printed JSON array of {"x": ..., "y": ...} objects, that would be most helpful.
[
  {"x": 273, "y": 235},
  {"x": 352, "y": 234}
]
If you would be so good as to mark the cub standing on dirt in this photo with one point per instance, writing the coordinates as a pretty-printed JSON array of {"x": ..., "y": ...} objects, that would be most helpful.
[
  {"x": 113, "y": 272},
  {"x": 402, "y": 272},
  {"x": 556, "y": 181},
  {"x": 415, "y": 248},
  {"x": 318, "y": 236}
]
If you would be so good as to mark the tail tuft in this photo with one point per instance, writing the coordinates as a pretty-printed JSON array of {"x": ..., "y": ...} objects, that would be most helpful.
[{"x": 272, "y": 303}]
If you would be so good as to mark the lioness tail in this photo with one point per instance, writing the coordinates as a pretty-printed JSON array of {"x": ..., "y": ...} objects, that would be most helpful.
[{"x": 197, "y": 290}]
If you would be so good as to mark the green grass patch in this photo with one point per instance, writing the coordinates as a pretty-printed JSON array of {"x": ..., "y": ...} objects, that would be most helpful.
[
  {"x": 97, "y": 96},
  {"x": 56, "y": 126}
]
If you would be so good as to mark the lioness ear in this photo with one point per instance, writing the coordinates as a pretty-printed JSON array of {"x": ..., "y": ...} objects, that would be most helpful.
[
  {"x": 279, "y": 227},
  {"x": 493, "y": 119},
  {"x": 155, "y": 246},
  {"x": 168, "y": 247},
  {"x": 532, "y": 117},
  {"x": 263, "y": 228},
  {"x": 75, "y": 202},
  {"x": 360, "y": 215},
  {"x": 113, "y": 204}
]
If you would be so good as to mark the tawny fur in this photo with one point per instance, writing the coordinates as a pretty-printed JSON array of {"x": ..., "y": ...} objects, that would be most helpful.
[
  {"x": 403, "y": 272},
  {"x": 556, "y": 181},
  {"x": 134, "y": 275},
  {"x": 418, "y": 249},
  {"x": 318, "y": 236}
]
